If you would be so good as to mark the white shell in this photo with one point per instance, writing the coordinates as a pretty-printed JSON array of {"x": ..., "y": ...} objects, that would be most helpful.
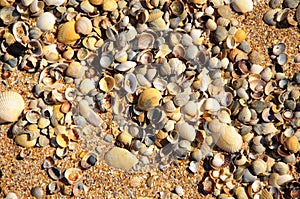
[
  {"x": 186, "y": 131},
  {"x": 46, "y": 21},
  {"x": 130, "y": 83},
  {"x": 125, "y": 66},
  {"x": 54, "y": 2},
  {"x": 11, "y": 106},
  {"x": 230, "y": 140}
]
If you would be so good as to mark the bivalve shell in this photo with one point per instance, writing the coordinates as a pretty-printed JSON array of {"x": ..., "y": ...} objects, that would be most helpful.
[
  {"x": 11, "y": 106},
  {"x": 84, "y": 26},
  {"x": 186, "y": 131},
  {"x": 73, "y": 175},
  {"x": 54, "y": 2},
  {"x": 229, "y": 140},
  {"x": 148, "y": 99},
  {"x": 67, "y": 34},
  {"x": 46, "y": 21}
]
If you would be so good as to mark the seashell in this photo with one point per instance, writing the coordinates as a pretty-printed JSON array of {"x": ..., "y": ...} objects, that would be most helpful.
[
  {"x": 145, "y": 57},
  {"x": 121, "y": 56},
  {"x": 86, "y": 7},
  {"x": 231, "y": 42},
  {"x": 36, "y": 47},
  {"x": 224, "y": 115},
  {"x": 54, "y": 2},
  {"x": 281, "y": 168},
  {"x": 73, "y": 175},
  {"x": 178, "y": 51},
  {"x": 75, "y": 70},
  {"x": 154, "y": 15},
  {"x": 292, "y": 144},
  {"x": 186, "y": 131},
  {"x": 11, "y": 106},
  {"x": 124, "y": 139},
  {"x": 158, "y": 24},
  {"x": 145, "y": 41},
  {"x": 46, "y": 21},
  {"x": 211, "y": 104},
  {"x": 142, "y": 80},
  {"x": 191, "y": 52},
  {"x": 244, "y": 115},
  {"x": 177, "y": 7},
  {"x": 105, "y": 61},
  {"x": 89, "y": 114},
  {"x": 266, "y": 74},
  {"x": 229, "y": 139},
  {"x": 282, "y": 59},
  {"x": 181, "y": 99},
  {"x": 259, "y": 166},
  {"x": 67, "y": 34},
  {"x": 291, "y": 3},
  {"x": 190, "y": 108},
  {"x": 88, "y": 160},
  {"x": 282, "y": 15},
  {"x": 50, "y": 52},
  {"x": 211, "y": 25},
  {"x": 130, "y": 83},
  {"x": 283, "y": 179},
  {"x": 82, "y": 54},
  {"x": 148, "y": 99},
  {"x": 83, "y": 26},
  {"x": 20, "y": 31},
  {"x": 265, "y": 194},
  {"x": 53, "y": 188},
  {"x": 269, "y": 17},
  {"x": 109, "y": 5},
  {"x": 241, "y": 193},
  {"x": 32, "y": 116},
  {"x": 248, "y": 176},
  {"x": 96, "y": 2},
  {"x": 107, "y": 83},
  {"x": 62, "y": 140},
  {"x": 26, "y": 2},
  {"x": 80, "y": 188},
  {"x": 8, "y": 15},
  {"x": 125, "y": 66},
  {"x": 37, "y": 192},
  {"x": 242, "y": 6},
  {"x": 25, "y": 141},
  {"x": 217, "y": 160}
]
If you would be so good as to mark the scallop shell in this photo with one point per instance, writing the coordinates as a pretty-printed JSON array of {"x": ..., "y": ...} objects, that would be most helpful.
[
  {"x": 230, "y": 140},
  {"x": 148, "y": 99},
  {"x": 46, "y": 21},
  {"x": 84, "y": 26},
  {"x": 67, "y": 34},
  {"x": 11, "y": 106}
]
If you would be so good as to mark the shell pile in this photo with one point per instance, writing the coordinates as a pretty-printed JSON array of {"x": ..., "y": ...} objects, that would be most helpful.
[{"x": 161, "y": 81}]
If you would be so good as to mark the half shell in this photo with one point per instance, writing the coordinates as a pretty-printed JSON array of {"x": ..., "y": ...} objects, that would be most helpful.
[
  {"x": 67, "y": 34},
  {"x": 230, "y": 140},
  {"x": 11, "y": 106}
]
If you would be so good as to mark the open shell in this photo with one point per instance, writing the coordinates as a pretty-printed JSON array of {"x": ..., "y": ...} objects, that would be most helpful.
[
  {"x": 67, "y": 34},
  {"x": 73, "y": 175}
]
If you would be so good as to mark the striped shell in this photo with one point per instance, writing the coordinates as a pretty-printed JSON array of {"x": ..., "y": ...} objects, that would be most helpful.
[
  {"x": 230, "y": 140},
  {"x": 11, "y": 106}
]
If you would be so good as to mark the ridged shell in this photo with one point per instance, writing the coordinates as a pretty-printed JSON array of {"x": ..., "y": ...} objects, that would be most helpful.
[
  {"x": 230, "y": 140},
  {"x": 67, "y": 34},
  {"x": 84, "y": 26},
  {"x": 11, "y": 106},
  {"x": 46, "y": 21}
]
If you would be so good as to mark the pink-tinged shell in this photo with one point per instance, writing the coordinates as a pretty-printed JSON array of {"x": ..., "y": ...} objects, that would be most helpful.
[
  {"x": 84, "y": 26},
  {"x": 11, "y": 106}
]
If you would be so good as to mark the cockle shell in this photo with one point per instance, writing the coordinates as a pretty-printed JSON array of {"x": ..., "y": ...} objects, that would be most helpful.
[
  {"x": 229, "y": 139},
  {"x": 67, "y": 34},
  {"x": 84, "y": 26},
  {"x": 107, "y": 83},
  {"x": 149, "y": 98},
  {"x": 11, "y": 106},
  {"x": 109, "y": 5},
  {"x": 46, "y": 21},
  {"x": 73, "y": 175}
]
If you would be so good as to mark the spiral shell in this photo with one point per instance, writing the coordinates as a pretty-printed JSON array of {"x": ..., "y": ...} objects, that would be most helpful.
[{"x": 11, "y": 106}]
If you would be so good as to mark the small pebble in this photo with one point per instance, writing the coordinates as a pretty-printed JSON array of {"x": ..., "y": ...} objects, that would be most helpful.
[
  {"x": 242, "y": 6},
  {"x": 221, "y": 34},
  {"x": 108, "y": 138},
  {"x": 120, "y": 158},
  {"x": 274, "y": 4},
  {"x": 297, "y": 78},
  {"x": 244, "y": 46},
  {"x": 37, "y": 192},
  {"x": 179, "y": 190}
]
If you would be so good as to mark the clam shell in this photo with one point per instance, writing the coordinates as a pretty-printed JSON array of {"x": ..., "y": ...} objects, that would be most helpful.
[
  {"x": 88, "y": 160},
  {"x": 11, "y": 106},
  {"x": 20, "y": 31},
  {"x": 125, "y": 66},
  {"x": 109, "y": 5},
  {"x": 54, "y": 2},
  {"x": 107, "y": 83},
  {"x": 46, "y": 21},
  {"x": 62, "y": 140},
  {"x": 186, "y": 131},
  {"x": 67, "y": 34},
  {"x": 292, "y": 144},
  {"x": 24, "y": 140},
  {"x": 229, "y": 140},
  {"x": 211, "y": 104},
  {"x": 84, "y": 26},
  {"x": 148, "y": 99},
  {"x": 73, "y": 175},
  {"x": 145, "y": 41}
]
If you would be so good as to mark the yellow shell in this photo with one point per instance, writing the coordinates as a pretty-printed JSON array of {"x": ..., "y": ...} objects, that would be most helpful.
[
  {"x": 23, "y": 140},
  {"x": 292, "y": 144},
  {"x": 96, "y": 2},
  {"x": 240, "y": 36},
  {"x": 109, "y": 5},
  {"x": 67, "y": 34},
  {"x": 148, "y": 99},
  {"x": 155, "y": 14},
  {"x": 11, "y": 106},
  {"x": 62, "y": 140}
]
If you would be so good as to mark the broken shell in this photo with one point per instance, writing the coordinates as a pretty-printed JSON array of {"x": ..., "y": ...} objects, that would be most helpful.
[
  {"x": 107, "y": 83},
  {"x": 218, "y": 160},
  {"x": 281, "y": 168},
  {"x": 8, "y": 15},
  {"x": 53, "y": 188},
  {"x": 269, "y": 17},
  {"x": 154, "y": 15},
  {"x": 46, "y": 21},
  {"x": 73, "y": 175},
  {"x": 88, "y": 160},
  {"x": 148, "y": 99},
  {"x": 11, "y": 106},
  {"x": 54, "y": 173},
  {"x": 32, "y": 116},
  {"x": 84, "y": 26},
  {"x": 67, "y": 34},
  {"x": 212, "y": 105},
  {"x": 259, "y": 167},
  {"x": 24, "y": 140},
  {"x": 109, "y": 5},
  {"x": 80, "y": 188}
]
